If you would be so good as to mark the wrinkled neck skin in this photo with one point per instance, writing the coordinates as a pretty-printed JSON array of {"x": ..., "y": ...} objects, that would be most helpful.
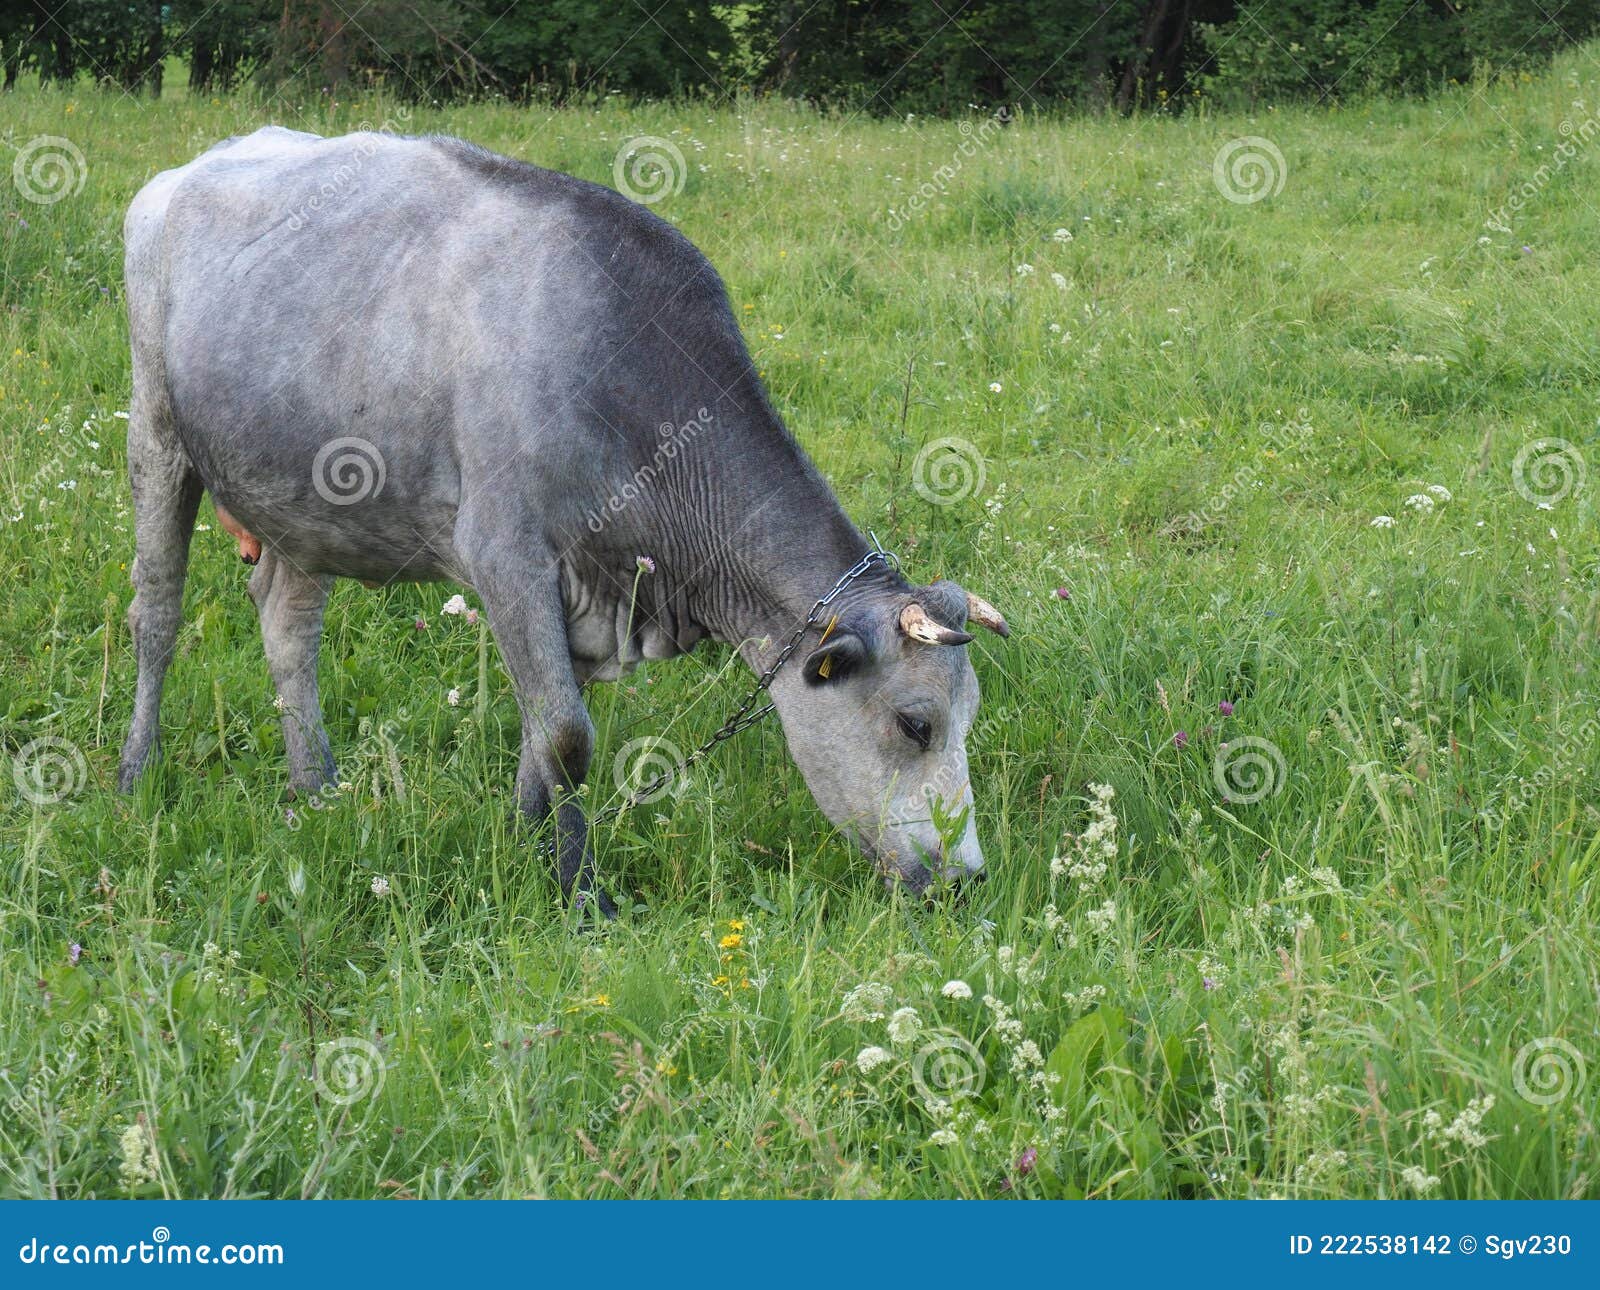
[{"x": 744, "y": 562}]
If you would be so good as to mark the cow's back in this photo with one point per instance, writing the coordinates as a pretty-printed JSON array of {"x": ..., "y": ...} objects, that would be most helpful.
[{"x": 445, "y": 309}]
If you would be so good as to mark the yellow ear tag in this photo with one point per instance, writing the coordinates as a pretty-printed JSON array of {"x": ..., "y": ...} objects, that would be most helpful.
[{"x": 826, "y": 666}]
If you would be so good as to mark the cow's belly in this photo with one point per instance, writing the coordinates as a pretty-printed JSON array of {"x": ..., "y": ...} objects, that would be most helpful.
[{"x": 375, "y": 534}]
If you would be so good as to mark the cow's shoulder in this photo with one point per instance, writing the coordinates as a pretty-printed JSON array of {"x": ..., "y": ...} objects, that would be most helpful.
[{"x": 598, "y": 218}]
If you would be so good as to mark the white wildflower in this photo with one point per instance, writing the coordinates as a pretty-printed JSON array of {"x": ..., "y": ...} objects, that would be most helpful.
[
  {"x": 943, "y": 1138},
  {"x": 140, "y": 1163},
  {"x": 1059, "y": 281},
  {"x": 1420, "y": 502},
  {"x": 867, "y": 1002},
  {"x": 1467, "y": 1127},
  {"x": 1383, "y": 521},
  {"x": 457, "y": 604},
  {"x": 995, "y": 387},
  {"x": 1024, "y": 270},
  {"x": 904, "y": 1027},
  {"x": 1441, "y": 492},
  {"x": 1100, "y": 920},
  {"x": 1419, "y": 1180},
  {"x": 380, "y": 886},
  {"x": 1062, "y": 235},
  {"x": 453, "y": 698},
  {"x": 872, "y": 1057},
  {"x": 956, "y": 990}
]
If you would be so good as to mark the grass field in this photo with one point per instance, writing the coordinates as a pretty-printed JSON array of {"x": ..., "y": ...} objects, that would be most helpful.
[{"x": 1343, "y": 940}]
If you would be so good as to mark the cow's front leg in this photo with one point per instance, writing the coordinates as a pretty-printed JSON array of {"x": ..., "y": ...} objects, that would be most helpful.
[
  {"x": 523, "y": 599},
  {"x": 290, "y": 603}
]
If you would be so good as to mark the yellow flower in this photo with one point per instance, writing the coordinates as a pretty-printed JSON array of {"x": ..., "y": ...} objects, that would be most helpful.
[
  {"x": 736, "y": 924},
  {"x": 602, "y": 1001},
  {"x": 719, "y": 980},
  {"x": 731, "y": 941}
]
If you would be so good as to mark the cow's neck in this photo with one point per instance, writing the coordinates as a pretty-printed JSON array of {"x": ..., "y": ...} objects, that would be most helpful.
[{"x": 779, "y": 549}]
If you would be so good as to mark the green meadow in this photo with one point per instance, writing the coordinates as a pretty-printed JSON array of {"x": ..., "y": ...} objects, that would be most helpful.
[{"x": 1275, "y": 439}]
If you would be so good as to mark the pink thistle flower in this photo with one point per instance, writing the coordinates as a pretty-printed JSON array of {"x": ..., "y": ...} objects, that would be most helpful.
[
  {"x": 1225, "y": 708},
  {"x": 1180, "y": 739}
]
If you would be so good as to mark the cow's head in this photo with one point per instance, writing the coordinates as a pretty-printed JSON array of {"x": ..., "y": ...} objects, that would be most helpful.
[{"x": 877, "y": 716}]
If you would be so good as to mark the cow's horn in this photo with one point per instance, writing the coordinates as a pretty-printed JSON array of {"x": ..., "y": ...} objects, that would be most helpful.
[
  {"x": 981, "y": 611},
  {"x": 915, "y": 623}
]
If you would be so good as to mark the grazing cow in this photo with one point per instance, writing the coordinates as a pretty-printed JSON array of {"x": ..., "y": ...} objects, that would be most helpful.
[{"x": 409, "y": 358}]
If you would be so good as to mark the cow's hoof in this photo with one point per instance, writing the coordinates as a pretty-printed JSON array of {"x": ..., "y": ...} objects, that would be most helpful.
[{"x": 595, "y": 901}]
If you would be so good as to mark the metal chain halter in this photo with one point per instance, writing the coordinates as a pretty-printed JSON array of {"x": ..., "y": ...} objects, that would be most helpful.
[{"x": 747, "y": 714}]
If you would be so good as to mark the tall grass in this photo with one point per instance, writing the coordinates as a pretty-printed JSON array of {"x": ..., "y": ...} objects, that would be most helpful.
[{"x": 1369, "y": 973}]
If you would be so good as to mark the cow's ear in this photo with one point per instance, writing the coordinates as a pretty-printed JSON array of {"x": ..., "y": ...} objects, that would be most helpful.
[{"x": 840, "y": 654}]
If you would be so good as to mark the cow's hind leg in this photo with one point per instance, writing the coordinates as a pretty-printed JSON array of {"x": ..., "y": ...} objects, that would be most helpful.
[
  {"x": 290, "y": 602},
  {"x": 522, "y": 595},
  {"x": 166, "y": 494}
]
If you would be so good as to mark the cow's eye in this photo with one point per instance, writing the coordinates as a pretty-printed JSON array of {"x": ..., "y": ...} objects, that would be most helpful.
[{"x": 915, "y": 729}]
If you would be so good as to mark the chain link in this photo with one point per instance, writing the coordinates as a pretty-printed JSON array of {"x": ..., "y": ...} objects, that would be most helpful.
[{"x": 747, "y": 714}]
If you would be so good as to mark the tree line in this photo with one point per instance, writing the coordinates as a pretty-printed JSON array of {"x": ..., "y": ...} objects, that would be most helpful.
[{"x": 876, "y": 55}]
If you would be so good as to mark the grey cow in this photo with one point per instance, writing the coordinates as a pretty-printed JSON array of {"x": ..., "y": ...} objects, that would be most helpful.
[{"x": 409, "y": 358}]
